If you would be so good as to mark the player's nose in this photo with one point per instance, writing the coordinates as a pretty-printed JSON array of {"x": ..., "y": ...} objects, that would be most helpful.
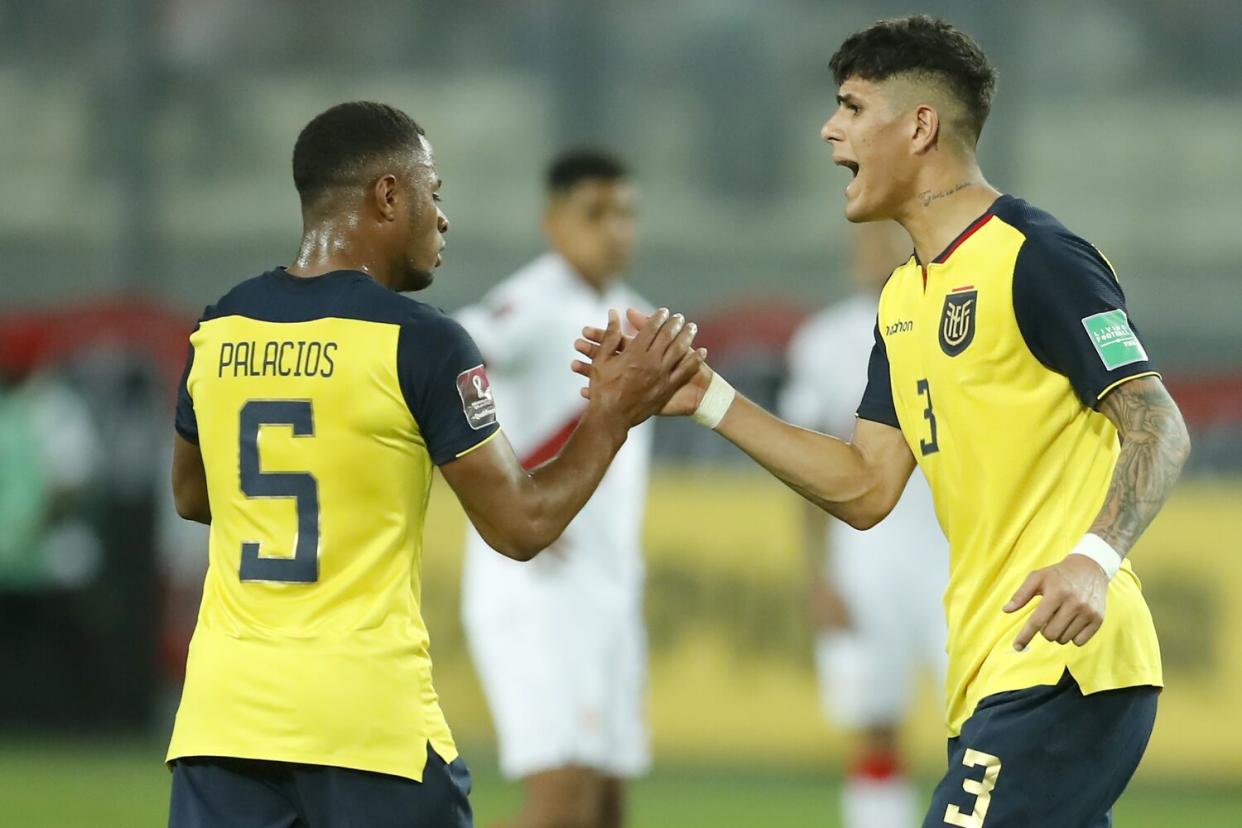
[
  {"x": 442, "y": 222},
  {"x": 829, "y": 131}
]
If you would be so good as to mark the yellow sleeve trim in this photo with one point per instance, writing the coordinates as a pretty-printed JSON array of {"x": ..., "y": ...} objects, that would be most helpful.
[
  {"x": 1122, "y": 381},
  {"x": 482, "y": 442}
]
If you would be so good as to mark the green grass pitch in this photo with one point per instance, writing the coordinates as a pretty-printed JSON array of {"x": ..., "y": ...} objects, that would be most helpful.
[{"x": 64, "y": 785}]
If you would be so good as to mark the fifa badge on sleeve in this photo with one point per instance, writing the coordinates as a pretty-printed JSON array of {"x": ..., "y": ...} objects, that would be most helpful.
[{"x": 476, "y": 397}]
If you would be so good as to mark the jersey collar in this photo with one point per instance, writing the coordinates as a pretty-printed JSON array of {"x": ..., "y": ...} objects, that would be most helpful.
[{"x": 970, "y": 230}]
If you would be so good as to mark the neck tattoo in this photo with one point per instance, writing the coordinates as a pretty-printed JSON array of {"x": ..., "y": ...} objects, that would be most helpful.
[{"x": 927, "y": 196}]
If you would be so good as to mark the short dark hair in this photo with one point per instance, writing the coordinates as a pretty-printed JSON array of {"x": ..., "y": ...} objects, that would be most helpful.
[
  {"x": 340, "y": 144},
  {"x": 921, "y": 45},
  {"x": 574, "y": 166}
]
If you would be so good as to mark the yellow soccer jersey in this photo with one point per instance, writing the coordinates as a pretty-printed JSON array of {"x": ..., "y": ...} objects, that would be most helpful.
[
  {"x": 319, "y": 406},
  {"x": 992, "y": 360}
]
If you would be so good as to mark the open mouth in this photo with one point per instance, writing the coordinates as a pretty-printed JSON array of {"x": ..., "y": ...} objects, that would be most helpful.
[{"x": 852, "y": 166}]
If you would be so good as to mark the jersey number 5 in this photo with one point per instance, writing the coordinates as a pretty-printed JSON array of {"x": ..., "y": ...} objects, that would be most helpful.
[
  {"x": 928, "y": 446},
  {"x": 303, "y": 567}
]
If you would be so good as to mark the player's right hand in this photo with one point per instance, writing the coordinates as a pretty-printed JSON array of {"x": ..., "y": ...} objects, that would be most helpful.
[
  {"x": 636, "y": 377},
  {"x": 686, "y": 398}
]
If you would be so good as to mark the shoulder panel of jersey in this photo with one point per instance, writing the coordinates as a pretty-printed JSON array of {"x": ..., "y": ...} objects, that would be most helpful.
[
  {"x": 429, "y": 345},
  {"x": 1070, "y": 307}
]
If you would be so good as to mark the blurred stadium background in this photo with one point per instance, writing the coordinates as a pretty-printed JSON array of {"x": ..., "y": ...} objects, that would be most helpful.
[{"x": 145, "y": 164}]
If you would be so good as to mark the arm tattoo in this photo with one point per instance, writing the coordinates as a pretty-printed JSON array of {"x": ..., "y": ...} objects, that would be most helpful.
[{"x": 1154, "y": 446}]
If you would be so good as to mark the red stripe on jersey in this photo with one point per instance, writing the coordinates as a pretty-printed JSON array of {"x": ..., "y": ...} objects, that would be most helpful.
[
  {"x": 970, "y": 231},
  {"x": 552, "y": 446},
  {"x": 963, "y": 287}
]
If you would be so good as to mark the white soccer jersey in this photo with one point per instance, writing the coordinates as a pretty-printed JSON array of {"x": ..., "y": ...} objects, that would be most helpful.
[
  {"x": 526, "y": 327},
  {"x": 891, "y": 576}
]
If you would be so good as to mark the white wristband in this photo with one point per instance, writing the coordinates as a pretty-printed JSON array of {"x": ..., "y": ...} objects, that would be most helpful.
[
  {"x": 716, "y": 401},
  {"x": 1097, "y": 549}
]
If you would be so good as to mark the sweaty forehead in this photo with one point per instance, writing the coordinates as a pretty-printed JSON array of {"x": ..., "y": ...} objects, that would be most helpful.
[{"x": 425, "y": 154}]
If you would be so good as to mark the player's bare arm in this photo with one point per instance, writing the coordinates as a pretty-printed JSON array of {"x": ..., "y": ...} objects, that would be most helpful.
[
  {"x": 858, "y": 481},
  {"x": 1154, "y": 447},
  {"x": 189, "y": 481},
  {"x": 521, "y": 512}
]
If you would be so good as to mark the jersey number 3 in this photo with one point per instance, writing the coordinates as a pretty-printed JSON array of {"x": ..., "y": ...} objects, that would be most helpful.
[
  {"x": 928, "y": 446},
  {"x": 303, "y": 567}
]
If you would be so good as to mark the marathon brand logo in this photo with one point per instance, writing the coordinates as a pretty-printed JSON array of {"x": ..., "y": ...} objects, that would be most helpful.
[
  {"x": 476, "y": 397},
  {"x": 900, "y": 326},
  {"x": 957, "y": 321}
]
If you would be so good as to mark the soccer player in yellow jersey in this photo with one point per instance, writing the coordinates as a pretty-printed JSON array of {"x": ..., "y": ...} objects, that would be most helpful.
[
  {"x": 315, "y": 402},
  {"x": 1006, "y": 366}
]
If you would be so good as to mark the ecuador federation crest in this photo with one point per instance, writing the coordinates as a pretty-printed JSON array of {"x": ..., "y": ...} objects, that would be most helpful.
[{"x": 957, "y": 321}]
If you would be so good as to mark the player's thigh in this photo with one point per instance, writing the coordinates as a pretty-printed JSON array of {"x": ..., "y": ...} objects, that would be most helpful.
[
  {"x": 927, "y": 630},
  {"x": 334, "y": 797},
  {"x": 866, "y": 671},
  {"x": 211, "y": 792},
  {"x": 865, "y": 679},
  {"x": 1044, "y": 756},
  {"x": 533, "y": 681},
  {"x": 626, "y": 751}
]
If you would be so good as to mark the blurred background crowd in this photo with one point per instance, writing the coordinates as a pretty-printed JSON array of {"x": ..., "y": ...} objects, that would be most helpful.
[{"x": 145, "y": 160}]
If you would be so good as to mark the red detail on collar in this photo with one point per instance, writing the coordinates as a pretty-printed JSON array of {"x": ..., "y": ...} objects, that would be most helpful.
[{"x": 969, "y": 231}]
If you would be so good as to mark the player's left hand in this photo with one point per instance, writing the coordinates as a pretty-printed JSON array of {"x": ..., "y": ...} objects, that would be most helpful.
[
  {"x": 1072, "y": 607},
  {"x": 683, "y": 402}
]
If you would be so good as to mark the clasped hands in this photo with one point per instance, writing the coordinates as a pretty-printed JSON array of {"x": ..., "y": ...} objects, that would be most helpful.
[{"x": 657, "y": 370}]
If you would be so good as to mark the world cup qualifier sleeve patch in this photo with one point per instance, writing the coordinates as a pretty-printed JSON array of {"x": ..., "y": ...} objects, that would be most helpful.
[
  {"x": 476, "y": 397},
  {"x": 1114, "y": 339}
]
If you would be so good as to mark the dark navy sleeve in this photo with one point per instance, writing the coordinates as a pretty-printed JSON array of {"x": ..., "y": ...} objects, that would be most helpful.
[
  {"x": 1072, "y": 313},
  {"x": 877, "y": 401},
  {"x": 445, "y": 385},
  {"x": 185, "y": 420}
]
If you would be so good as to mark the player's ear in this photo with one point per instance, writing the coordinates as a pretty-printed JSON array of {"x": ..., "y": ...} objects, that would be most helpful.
[
  {"x": 553, "y": 210},
  {"x": 925, "y": 129},
  {"x": 383, "y": 196}
]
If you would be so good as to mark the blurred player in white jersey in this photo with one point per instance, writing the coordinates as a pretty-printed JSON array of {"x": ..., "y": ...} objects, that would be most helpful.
[
  {"x": 558, "y": 642},
  {"x": 875, "y": 595}
]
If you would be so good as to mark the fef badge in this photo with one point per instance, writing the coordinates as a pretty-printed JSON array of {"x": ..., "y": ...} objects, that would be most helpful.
[{"x": 957, "y": 321}]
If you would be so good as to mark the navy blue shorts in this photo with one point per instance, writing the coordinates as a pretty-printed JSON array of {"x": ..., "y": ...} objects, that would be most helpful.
[
  {"x": 221, "y": 792},
  {"x": 1044, "y": 757}
]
